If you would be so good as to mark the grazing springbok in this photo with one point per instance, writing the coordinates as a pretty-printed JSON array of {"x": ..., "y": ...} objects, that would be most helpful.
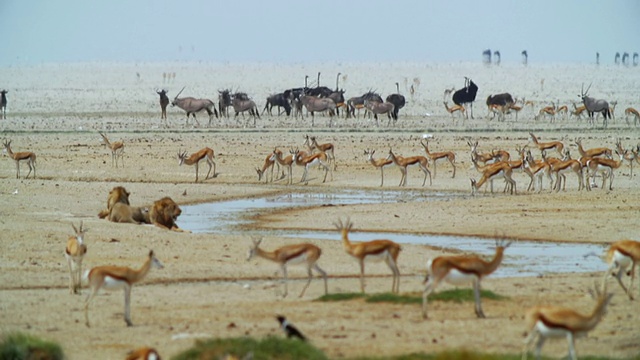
[
  {"x": 299, "y": 254},
  {"x": 3, "y": 103},
  {"x": 118, "y": 277},
  {"x": 443, "y": 155},
  {"x": 314, "y": 104},
  {"x": 224, "y": 102},
  {"x": 117, "y": 150},
  {"x": 378, "y": 163},
  {"x": 548, "y": 321},
  {"x": 397, "y": 100},
  {"x": 278, "y": 100},
  {"x": 378, "y": 108},
  {"x": 466, "y": 95},
  {"x": 286, "y": 162},
  {"x": 74, "y": 253},
  {"x": 269, "y": 162},
  {"x": 404, "y": 162},
  {"x": 192, "y": 106},
  {"x": 455, "y": 108},
  {"x": 164, "y": 102},
  {"x": 596, "y": 106},
  {"x": 632, "y": 112},
  {"x": 620, "y": 256},
  {"x": 461, "y": 270},
  {"x": 204, "y": 153},
  {"x": 143, "y": 353},
  {"x": 242, "y": 103},
  {"x": 27, "y": 156},
  {"x": 374, "y": 250}
]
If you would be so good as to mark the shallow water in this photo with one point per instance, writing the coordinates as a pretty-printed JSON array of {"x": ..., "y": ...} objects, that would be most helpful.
[{"x": 522, "y": 258}]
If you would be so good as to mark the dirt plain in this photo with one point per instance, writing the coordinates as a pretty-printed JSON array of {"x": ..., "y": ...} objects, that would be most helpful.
[{"x": 208, "y": 289}]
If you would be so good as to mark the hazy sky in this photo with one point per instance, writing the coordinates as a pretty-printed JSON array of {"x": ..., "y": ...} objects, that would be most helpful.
[{"x": 43, "y": 31}]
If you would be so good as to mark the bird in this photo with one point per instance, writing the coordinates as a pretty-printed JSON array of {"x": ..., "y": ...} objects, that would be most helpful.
[{"x": 289, "y": 329}]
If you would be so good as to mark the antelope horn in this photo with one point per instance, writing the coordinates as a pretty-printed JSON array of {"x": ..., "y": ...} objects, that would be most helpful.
[{"x": 180, "y": 92}]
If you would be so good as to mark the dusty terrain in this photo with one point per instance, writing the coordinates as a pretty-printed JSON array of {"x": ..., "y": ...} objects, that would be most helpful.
[{"x": 208, "y": 289}]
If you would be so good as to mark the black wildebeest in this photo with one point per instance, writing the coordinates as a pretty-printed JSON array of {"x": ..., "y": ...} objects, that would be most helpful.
[
  {"x": 398, "y": 102},
  {"x": 278, "y": 100},
  {"x": 193, "y": 105},
  {"x": 3, "y": 103},
  {"x": 164, "y": 101},
  {"x": 466, "y": 95},
  {"x": 241, "y": 103},
  {"x": 595, "y": 106},
  {"x": 224, "y": 102}
]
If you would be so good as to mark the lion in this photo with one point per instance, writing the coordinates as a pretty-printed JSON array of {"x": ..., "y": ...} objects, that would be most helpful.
[
  {"x": 123, "y": 213},
  {"x": 117, "y": 195},
  {"x": 164, "y": 213}
]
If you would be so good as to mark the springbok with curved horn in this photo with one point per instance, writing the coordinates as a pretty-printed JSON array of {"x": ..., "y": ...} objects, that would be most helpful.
[
  {"x": 404, "y": 162},
  {"x": 386, "y": 250},
  {"x": 435, "y": 156},
  {"x": 459, "y": 270},
  {"x": 204, "y": 153},
  {"x": 299, "y": 254},
  {"x": 118, "y": 277},
  {"x": 27, "y": 156},
  {"x": 74, "y": 253},
  {"x": 192, "y": 106},
  {"x": 378, "y": 163}
]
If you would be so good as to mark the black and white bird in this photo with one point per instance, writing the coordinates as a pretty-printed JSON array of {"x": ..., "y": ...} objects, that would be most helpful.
[{"x": 289, "y": 329}]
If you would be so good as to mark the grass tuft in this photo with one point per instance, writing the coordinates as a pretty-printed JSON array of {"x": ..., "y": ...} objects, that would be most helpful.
[
  {"x": 454, "y": 295},
  {"x": 18, "y": 346},
  {"x": 340, "y": 297}
]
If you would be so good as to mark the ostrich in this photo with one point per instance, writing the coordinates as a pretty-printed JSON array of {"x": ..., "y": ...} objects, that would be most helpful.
[
  {"x": 496, "y": 57},
  {"x": 617, "y": 59},
  {"x": 486, "y": 57},
  {"x": 319, "y": 91},
  {"x": 635, "y": 59},
  {"x": 397, "y": 100},
  {"x": 597, "y": 58},
  {"x": 525, "y": 57},
  {"x": 466, "y": 95},
  {"x": 625, "y": 59}
]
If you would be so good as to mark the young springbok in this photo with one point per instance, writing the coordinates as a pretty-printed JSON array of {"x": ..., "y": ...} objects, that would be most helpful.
[
  {"x": 74, "y": 253},
  {"x": 118, "y": 277},
  {"x": 386, "y": 250},
  {"x": 299, "y": 254},
  {"x": 27, "y": 156},
  {"x": 459, "y": 270}
]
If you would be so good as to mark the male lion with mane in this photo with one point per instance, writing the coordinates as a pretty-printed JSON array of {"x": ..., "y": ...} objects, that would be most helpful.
[
  {"x": 117, "y": 195},
  {"x": 164, "y": 213}
]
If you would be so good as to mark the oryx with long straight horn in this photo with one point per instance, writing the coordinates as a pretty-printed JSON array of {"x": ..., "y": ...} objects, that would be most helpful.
[
  {"x": 192, "y": 106},
  {"x": 595, "y": 106}
]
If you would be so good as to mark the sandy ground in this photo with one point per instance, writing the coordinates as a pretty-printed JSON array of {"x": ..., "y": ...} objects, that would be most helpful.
[{"x": 208, "y": 289}]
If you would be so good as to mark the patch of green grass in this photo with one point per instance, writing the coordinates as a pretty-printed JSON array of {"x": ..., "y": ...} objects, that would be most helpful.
[
  {"x": 19, "y": 346},
  {"x": 468, "y": 355},
  {"x": 340, "y": 297},
  {"x": 455, "y": 295},
  {"x": 268, "y": 348}
]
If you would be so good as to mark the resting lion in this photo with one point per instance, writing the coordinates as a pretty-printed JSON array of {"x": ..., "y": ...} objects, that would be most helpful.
[
  {"x": 164, "y": 213},
  {"x": 117, "y": 195},
  {"x": 123, "y": 213}
]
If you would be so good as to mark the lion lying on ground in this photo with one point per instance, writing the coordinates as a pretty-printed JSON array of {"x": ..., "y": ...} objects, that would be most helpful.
[
  {"x": 164, "y": 214},
  {"x": 123, "y": 213},
  {"x": 117, "y": 195}
]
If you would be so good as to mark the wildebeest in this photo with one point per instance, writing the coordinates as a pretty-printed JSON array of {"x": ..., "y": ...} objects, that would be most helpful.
[
  {"x": 3, "y": 103},
  {"x": 466, "y": 95},
  {"x": 397, "y": 100},
  {"x": 193, "y": 105},
  {"x": 595, "y": 106},
  {"x": 496, "y": 57},
  {"x": 224, "y": 102},
  {"x": 486, "y": 57},
  {"x": 314, "y": 104},
  {"x": 278, "y": 100},
  {"x": 381, "y": 108},
  {"x": 357, "y": 103},
  {"x": 164, "y": 101},
  {"x": 241, "y": 103}
]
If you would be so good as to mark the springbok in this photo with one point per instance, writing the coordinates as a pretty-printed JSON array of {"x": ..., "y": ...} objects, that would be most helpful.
[
  {"x": 194, "y": 159},
  {"x": 455, "y": 108},
  {"x": 192, "y": 106},
  {"x": 164, "y": 101},
  {"x": 3, "y": 103},
  {"x": 117, "y": 149},
  {"x": 74, "y": 253},
  {"x": 631, "y": 112},
  {"x": 27, "y": 156}
]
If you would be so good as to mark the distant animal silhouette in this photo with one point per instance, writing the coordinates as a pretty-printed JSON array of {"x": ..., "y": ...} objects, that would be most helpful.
[{"x": 289, "y": 329}]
